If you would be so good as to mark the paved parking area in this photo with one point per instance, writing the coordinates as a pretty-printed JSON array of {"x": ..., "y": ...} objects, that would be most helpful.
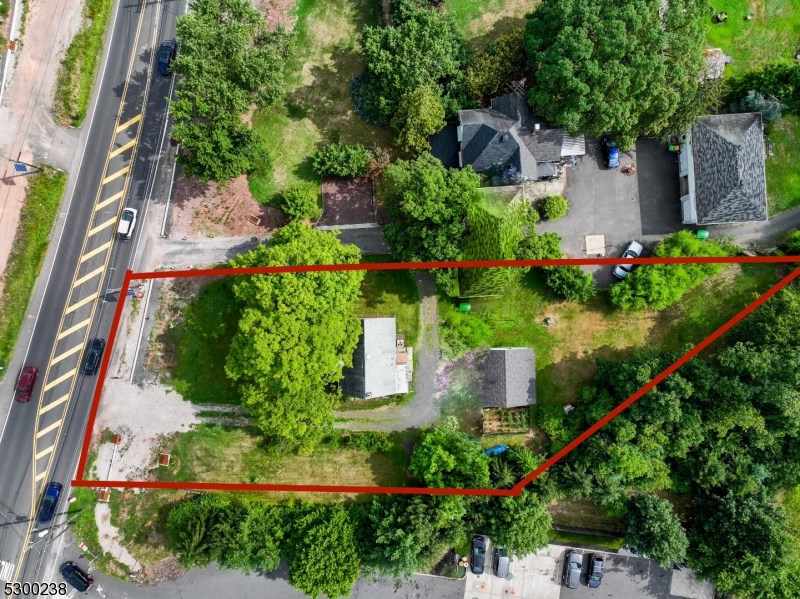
[
  {"x": 538, "y": 576},
  {"x": 644, "y": 206}
]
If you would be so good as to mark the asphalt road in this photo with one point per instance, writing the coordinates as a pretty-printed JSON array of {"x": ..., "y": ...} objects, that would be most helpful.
[{"x": 125, "y": 134}]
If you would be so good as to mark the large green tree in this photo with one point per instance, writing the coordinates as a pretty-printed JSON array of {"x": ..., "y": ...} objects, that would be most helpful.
[
  {"x": 446, "y": 457},
  {"x": 296, "y": 332},
  {"x": 651, "y": 526},
  {"x": 425, "y": 49},
  {"x": 603, "y": 65},
  {"x": 228, "y": 60},
  {"x": 520, "y": 524},
  {"x": 321, "y": 551},
  {"x": 419, "y": 115},
  {"x": 428, "y": 204}
]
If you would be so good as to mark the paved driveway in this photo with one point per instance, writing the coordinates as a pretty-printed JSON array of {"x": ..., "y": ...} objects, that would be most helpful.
[{"x": 644, "y": 206}]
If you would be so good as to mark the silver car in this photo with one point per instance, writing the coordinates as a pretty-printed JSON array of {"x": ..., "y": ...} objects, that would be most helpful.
[
  {"x": 572, "y": 569},
  {"x": 634, "y": 250}
]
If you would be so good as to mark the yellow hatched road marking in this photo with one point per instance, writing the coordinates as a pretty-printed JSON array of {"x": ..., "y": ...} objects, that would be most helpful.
[
  {"x": 85, "y": 278},
  {"x": 41, "y": 476},
  {"x": 127, "y": 146},
  {"x": 53, "y": 426},
  {"x": 127, "y": 124},
  {"x": 44, "y": 452},
  {"x": 71, "y": 330},
  {"x": 95, "y": 251},
  {"x": 102, "y": 226},
  {"x": 105, "y": 203},
  {"x": 66, "y": 354},
  {"x": 54, "y": 404},
  {"x": 60, "y": 379},
  {"x": 116, "y": 175},
  {"x": 83, "y": 302}
]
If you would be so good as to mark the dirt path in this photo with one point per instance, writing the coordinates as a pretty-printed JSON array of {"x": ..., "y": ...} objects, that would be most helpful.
[{"x": 423, "y": 408}]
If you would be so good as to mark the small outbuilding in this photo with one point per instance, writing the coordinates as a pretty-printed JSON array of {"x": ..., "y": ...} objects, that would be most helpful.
[
  {"x": 509, "y": 378},
  {"x": 382, "y": 365}
]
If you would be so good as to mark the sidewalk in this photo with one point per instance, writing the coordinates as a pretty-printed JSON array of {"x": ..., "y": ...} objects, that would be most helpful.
[{"x": 27, "y": 129}]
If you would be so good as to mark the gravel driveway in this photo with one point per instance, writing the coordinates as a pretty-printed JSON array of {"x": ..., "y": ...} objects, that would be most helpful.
[{"x": 421, "y": 409}]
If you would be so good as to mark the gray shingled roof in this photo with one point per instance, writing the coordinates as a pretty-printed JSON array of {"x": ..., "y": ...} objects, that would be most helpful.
[
  {"x": 730, "y": 183},
  {"x": 444, "y": 145},
  {"x": 374, "y": 361},
  {"x": 509, "y": 378}
]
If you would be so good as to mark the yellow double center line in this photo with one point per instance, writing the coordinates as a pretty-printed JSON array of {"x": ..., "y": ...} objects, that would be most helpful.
[{"x": 73, "y": 353}]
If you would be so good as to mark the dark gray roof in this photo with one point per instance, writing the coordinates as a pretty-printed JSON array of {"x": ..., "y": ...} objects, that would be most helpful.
[
  {"x": 509, "y": 378},
  {"x": 444, "y": 145},
  {"x": 374, "y": 361},
  {"x": 544, "y": 144},
  {"x": 730, "y": 184},
  {"x": 514, "y": 106}
]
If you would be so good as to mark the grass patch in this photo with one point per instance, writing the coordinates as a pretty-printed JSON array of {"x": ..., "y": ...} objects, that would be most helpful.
[
  {"x": 567, "y": 351},
  {"x": 574, "y": 538},
  {"x": 347, "y": 404},
  {"x": 390, "y": 293},
  {"x": 43, "y": 198},
  {"x": 141, "y": 519},
  {"x": 783, "y": 174},
  {"x": 582, "y": 513},
  {"x": 773, "y": 32},
  {"x": 78, "y": 70},
  {"x": 485, "y": 21},
  {"x": 317, "y": 106},
  {"x": 84, "y": 528},
  {"x": 227, "y": 454},
  {"x": 200, "y": 346}
]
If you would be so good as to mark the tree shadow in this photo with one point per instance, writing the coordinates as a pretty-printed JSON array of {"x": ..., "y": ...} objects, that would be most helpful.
[{"x": 498, "y": 30}]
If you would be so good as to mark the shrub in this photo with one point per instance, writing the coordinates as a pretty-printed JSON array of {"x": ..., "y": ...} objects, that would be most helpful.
[
  {"x": 367, "y": 441},
  {"x": 793, "y": 241},
  {"x": 364, "y": 104},
  {"x": 570, "y": 282},
  {"x": 341, "y": 159},
  {"x": 770, "y": 108},
  {"x": 419, "y": 116},
  {"x": 500, "y": 63},
  {"x": 554, "y": 207},
  {"x": 463, "y": 331},
  {"x": 779, "y": 78},
  {"x": 299, "y": 201}
]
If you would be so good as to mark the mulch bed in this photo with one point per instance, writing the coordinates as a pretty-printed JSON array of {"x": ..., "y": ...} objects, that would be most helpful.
[{"x": 347, "y": 201}]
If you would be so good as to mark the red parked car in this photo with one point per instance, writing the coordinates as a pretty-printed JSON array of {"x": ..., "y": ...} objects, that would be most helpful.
[{"x": 25, "y": 383}]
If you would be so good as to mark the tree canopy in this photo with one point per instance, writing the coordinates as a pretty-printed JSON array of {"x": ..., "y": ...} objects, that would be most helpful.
[
  {"x": 229, "y": 61},
  {"x": 428, "y": 205},
  {"x": 446, "y": 457},
  {"x": 652, "y": 527},
  {"x": 609, "y": 66},
  {"x": 296, "y": 332},
  {"x": 419, "y": 116}
]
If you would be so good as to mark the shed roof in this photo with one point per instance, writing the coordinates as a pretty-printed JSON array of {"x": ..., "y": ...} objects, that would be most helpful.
[
  {"x": 374, "y": 361},
  {"x": 509, "y": 378}
]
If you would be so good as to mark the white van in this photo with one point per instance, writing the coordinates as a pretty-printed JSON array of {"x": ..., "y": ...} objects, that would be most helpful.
[{"x": 126, "y": 223}]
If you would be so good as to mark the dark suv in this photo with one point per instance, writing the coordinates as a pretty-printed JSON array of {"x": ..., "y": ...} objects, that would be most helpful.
[
  {"x": 478, "y": 555},
  {"x": 166, "y": 55},
  {"x": 610, "y": 151},
  {"x": 76, "y": 577},
  {"x": 93, "y": 355},
  {"x": 47, "y": 508},
  {"x": 595, "y": 570}
]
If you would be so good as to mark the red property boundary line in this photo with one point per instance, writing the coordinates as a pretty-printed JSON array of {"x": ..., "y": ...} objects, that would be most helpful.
[{"x": 516, "y": 490}]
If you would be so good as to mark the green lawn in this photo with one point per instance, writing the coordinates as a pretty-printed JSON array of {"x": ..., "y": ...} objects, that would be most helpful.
[
  {"x": 783, "y": 167},
  {"x": 317, "y": 106},
  {"x": 391, "y": 293},
  {"x": 199, "y": 346},
  {"x": 773, "y": 33},
  {"x": 566, "y": 352},
  {"x": 37, "y": 217},
  {"x": 484, "y": 21},
  {"x": 574, "y": 538},
  {"x": 233, "y": 454}
]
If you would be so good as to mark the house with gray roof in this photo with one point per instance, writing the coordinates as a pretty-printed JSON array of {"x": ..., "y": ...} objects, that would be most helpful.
[
  {"x": 377, "y": 371},
  {"x": 506, "y": 134},
  {"x": 722, "y": 175},
  {"x": 509, "y": 379}
]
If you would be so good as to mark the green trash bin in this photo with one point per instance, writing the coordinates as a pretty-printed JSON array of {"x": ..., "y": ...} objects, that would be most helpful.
[
  {"x": 465, "y": 307},
  {"x": 702, "y": 234}
]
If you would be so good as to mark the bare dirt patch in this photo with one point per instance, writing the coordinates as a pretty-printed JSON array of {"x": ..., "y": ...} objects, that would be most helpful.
[
  {"x": 347, "y": 201},
  {"x": 277, "y": 12},
  {"x": 213, "y": 210}
]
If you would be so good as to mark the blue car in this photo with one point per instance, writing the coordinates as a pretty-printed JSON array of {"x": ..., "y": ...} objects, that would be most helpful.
[
  {"x": 166, "y": 55},
  {"x": 49, "y": 502},
  {"x": 611, "y": 151}
]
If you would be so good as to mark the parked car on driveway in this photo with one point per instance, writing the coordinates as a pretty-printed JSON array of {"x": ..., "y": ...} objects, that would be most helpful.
[
  {"x": 76, "y": 577},
  {"x": 501, "y": 562},
  {"x": 610, "y": 151},
  {"x": 166, "y": 55},
  {"x": 47, "y": 508},
  {"x": 595, "y": 570},
  {"x": 25, "y": 383},
  {"x": 572, "y": 569},
  {"x": 633, "y": 250},
  {"x": 93, "y": 355},
  {"x": 477, "y": 557}
]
